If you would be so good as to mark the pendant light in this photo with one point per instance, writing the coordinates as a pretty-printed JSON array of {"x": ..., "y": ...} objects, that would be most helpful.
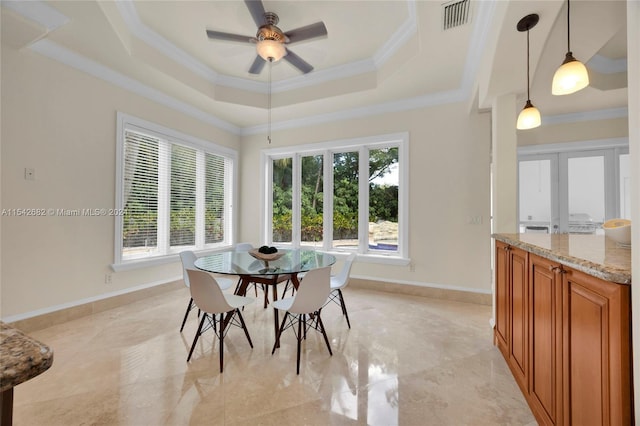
[
  {"x": 529, "y": 116},
  {"x": 572, "y": 74}
]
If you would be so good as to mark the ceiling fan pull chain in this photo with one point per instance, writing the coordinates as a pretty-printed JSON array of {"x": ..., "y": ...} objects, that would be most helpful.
[{"x": 269, "y": 106}]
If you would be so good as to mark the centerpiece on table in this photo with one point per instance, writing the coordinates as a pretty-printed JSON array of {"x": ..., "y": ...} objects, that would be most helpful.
[{"x": 266, "y": 254}]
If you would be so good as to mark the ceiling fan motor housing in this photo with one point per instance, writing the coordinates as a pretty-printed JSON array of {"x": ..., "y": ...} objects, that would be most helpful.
[{"x": 270, "y": 32}]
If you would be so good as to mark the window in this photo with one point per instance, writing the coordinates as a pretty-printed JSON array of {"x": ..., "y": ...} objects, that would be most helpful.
[
  {"x": 572, "y": 187},
  {"x": 174, "y": 191},
  {"x": 343, "y": 196}
]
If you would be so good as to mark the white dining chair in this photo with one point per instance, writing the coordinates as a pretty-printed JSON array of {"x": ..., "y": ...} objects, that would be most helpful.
[
  {"x": 188, "y": 258},
  {"x": 340, "y": 281},
  {"x": 303, "y": 309},
  {"x": 210, "y": 299}
]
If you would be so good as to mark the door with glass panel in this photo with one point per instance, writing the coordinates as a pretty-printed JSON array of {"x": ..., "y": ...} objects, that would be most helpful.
[
  {"x": 587, "y": 189},
  {"x": 538, "y": 193},
  {"x": 573, "y": 192}
]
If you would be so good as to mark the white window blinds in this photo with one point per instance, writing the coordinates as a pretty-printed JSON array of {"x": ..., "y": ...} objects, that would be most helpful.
[{"x": 175, "y": 193}]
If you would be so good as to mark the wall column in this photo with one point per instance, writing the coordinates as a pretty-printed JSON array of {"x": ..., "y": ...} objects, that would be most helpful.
[{"x": 504, "y": 163}]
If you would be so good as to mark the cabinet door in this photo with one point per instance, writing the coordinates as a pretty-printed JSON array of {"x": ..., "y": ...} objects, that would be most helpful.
[
  {"x": 596, "y": 351},
  {"x": 502, "y": 298},
  {"x": 545, "y": 344},
  {"x": 519, "y": 325}
]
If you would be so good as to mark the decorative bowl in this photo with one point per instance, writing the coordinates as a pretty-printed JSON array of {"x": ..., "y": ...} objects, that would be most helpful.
[
  {"x": 264, "y": 256},
  {"x": 619, "y": 230}
]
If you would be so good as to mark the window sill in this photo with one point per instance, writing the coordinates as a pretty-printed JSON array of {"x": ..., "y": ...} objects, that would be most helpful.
[
  {"x": 159, "y": 260},
  {"x": 373, "y": 258}
]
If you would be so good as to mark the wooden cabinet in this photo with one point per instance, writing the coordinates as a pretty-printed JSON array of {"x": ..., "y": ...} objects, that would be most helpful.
[
  {"x": 545, "y": 323},
  {"x": 566, "y": 338},
  {"x": 512, "y": 314},
  {"x": 596, "y": 351},
  {"x": 502, "y": 298}
]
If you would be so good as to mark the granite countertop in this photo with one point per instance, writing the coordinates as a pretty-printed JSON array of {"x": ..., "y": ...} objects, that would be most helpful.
[
  {"x": 595, "y": 255},
  {"x": 21, "y": 357}
]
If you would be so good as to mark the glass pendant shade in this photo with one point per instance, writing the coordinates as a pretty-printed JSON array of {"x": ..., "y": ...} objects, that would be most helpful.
[
  {"x": 271, "y": 50},
  {"x": 529, "y": 117},
  {"x": 570, "y": 77}
]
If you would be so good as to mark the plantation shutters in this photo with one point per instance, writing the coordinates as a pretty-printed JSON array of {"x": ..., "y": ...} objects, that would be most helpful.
[{"x": 175, "y": 195}]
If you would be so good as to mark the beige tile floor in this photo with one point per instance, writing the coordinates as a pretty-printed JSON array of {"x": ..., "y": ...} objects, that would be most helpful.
[{"x": 406, "y": 361}]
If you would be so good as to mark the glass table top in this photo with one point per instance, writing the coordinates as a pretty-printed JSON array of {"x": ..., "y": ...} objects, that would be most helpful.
[{"x": 243, "y": 263}]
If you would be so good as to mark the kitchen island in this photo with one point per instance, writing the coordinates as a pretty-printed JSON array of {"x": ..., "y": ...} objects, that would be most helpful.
[
  {"x": 21, "y": 358},
  {"x": 562, "y": 323}
]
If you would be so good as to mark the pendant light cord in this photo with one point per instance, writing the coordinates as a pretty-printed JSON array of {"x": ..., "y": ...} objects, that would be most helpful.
[
  {"x": 568, "y": 26},
  {"x": 528, "y": 95}
]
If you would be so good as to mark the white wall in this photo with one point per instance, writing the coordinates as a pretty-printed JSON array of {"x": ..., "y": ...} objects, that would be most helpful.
[
  {"x": 449, "y": 183},
  {"x": 62, "y": 123}
]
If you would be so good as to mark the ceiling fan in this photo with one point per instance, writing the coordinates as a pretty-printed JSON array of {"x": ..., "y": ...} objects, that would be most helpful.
[{"x": 271, "y": 41}]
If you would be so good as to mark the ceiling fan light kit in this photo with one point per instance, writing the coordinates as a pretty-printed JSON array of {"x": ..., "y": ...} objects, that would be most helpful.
[
  {"x": 529, "y": 117},
  {"x": 271, "y": 50},
  {"x": 271, "y": 42},
  {"x": 572, "y": 74}
]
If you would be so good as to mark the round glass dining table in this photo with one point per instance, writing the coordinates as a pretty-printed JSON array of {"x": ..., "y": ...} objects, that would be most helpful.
[
  {"x": 252, "y": 270},
  {"x": 243, "y": 263}
]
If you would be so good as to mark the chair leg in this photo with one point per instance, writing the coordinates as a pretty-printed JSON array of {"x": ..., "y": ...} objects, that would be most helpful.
[
  {"x": 221, "y": 334},
  {"x": 244, "y": 327},
  {"x": 286, "y": 288},
  {"x": 324, "y": 334},
  {"x": 186, "y": 314},
  {"x": 304, "y": 326},
  {"x": 277, "y": 343},
  {"x": 344, "y": 307},
  {"x": 195, "y": 339},
  {"x": 299, "y": 343}
]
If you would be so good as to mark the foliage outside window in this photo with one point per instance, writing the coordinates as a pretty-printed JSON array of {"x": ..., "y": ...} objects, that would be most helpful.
[
  {"x": 318, "y": 197},
  {"x": 174, "y": 191}
]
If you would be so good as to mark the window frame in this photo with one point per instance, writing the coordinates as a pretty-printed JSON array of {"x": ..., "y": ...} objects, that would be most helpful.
[
  {"x": 168, "y": 136},
  {"x": 362, "y": 145},
  {"x": 559, "y": 154}
]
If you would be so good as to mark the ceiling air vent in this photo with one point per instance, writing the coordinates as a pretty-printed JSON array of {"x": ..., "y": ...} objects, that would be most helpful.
[{"x": 455, "y": 13}]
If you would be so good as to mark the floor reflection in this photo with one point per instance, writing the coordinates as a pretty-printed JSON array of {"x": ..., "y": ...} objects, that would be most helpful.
[{"x": 405, "y": 361}]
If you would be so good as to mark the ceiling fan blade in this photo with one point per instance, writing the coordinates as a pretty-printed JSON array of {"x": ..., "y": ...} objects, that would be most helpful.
[
  {"x": 298, "y": 62},
  {"x": 306, "y": 33},
  {"x": 256, "y": 8},
  {"x": 257, "y": 66},
  {"x": 217, "y": 35}
]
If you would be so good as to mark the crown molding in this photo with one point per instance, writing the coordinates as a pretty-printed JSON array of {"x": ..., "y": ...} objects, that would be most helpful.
[
  {"x": 425, "y": 101},
  {"x": 588, "y": 145},
  {"x": 50, "y": 18},
  {"x": 131, "y": 18},
  {"x": 37, "y": 11},
  {"x": 404, "y": 32},
  {"x": 59, "y": 53},
  {"x": 143, "y": 32},
  {"x": 576, "y": 117},
  {"x": 604, "y": 65}
]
